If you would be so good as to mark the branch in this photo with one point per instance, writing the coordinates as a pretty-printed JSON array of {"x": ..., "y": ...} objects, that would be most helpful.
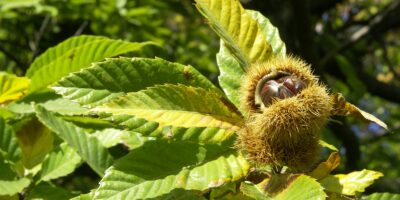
[
  {"x": 381, "y": 22},
  {"x": 385, "y": 55},
  {"x": 387, "y": 91}
]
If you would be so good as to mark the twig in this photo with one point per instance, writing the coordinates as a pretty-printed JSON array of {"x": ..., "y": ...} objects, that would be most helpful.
[
  {"x": 39, "y": 35},
  {"x": 81, "y": 28},
  {"x": 386, "y": 57}
]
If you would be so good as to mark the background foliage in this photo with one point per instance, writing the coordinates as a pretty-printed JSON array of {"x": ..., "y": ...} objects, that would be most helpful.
[{"x": 352, "y": 45}]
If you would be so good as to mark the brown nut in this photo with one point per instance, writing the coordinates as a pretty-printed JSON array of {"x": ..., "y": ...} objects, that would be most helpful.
[{"x": 284, "y": 87}]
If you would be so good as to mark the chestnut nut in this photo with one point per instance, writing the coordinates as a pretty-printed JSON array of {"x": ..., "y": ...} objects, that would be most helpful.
[{"x": 281, "y": 88}]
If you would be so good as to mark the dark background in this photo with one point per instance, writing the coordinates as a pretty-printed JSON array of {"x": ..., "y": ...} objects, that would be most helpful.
[{"x": 354, "y": 46}]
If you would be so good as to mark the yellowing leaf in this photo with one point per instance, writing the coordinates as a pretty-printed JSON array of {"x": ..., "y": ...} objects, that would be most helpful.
[
  {"x": 35, "y": 141},
  {"x": 327, "y": 145},
  {"x": 326, "y": 167},
  {"x": 352, "y": 183},
  {"x": 14, "y": 186},
  {"x": 344, "y": 108},
  {"x": 303, "y": 187},
  {"x": 12, "y": 87},
  {"x": 177, "y": 105},
  {"x": 241, "y": 33}
]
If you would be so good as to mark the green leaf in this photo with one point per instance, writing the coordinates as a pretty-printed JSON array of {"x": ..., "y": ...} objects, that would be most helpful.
[
  {"x": 205, "y": 135},
  {"x": 60, "y": 163},
  {"x": 13, "y": 187},
  {"x": 110, "y": 137},
  {"x": 352, "y": 183},
  {"x": 303, "y": 187},
  {"x": 7, "y": 173},
  {"x": 8, "y": 197},
  {"x": 134, "y": 140},
  {"x": 9, "y": 184},
  {"x": 50, "y": 101},
  {"x": 47, "y": 191},
  {"x": 158, "y": 168},
  {"x": 382, "y": 196},
  {"x": 9, "y": 147},
  {"x": 231, "y": 72},
  {"x": 177, "y": 105},
  {"x": 217, "y": 193},
  {"x": 60, "y": 50},
  {"x": 87, "y": 146},
  {"x": 6, "y": 113},
  {"x": 36, "y": 141},
  {"x": 12, "y": 87},
  {"x": 88, "y": 196},
  {"x": 241, "y": 33},
  {"x": 252, "y": 190},
  {"x": 114, "y": 77},
  {"x": 181, "y": 194},
  {"x": 77, "y": 57},
  {"x": 271, "y": 33}
]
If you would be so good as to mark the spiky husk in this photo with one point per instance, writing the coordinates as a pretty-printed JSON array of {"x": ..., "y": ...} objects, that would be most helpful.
[{"x": 287, "y": 131}]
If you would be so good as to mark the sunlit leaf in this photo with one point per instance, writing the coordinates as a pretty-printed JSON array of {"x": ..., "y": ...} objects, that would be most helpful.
[
  {"x": 382, "y": 196},
  {"x": 88, "y": 196},
  {"x": 231, "y": 72},
  {"x": 177, "y": 105},
  {"x": 60, "y": 50},
  {"x": 110, "y": 137},
  {"x": 75, "y": 54},
  {"x": 196, "y": 134},
  {"x": 271, "y": 33},
  {"x": 342, "y": 107},
  {"x": 87, "y": 146},
  {"x": 60, "y": 163},
  {"x": 12, "y": 87},
  {"x": 134, "y": 140},
  {"x": 352, "y": 183},
  {"x": 9, "y": 147},
  {"x": 13, "y": 187},
  {"x": 241, "y": 33},
  {"x": 50, "y": 101},
  {"x": 252, "y": 190},
  {"x": 326, "y": 167},
  {"x": 303, "y": 187},
  {"x": 158, "y": 168},
  {"x": 327, "y": 145},
  {"x": 114, "y": 77}
]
